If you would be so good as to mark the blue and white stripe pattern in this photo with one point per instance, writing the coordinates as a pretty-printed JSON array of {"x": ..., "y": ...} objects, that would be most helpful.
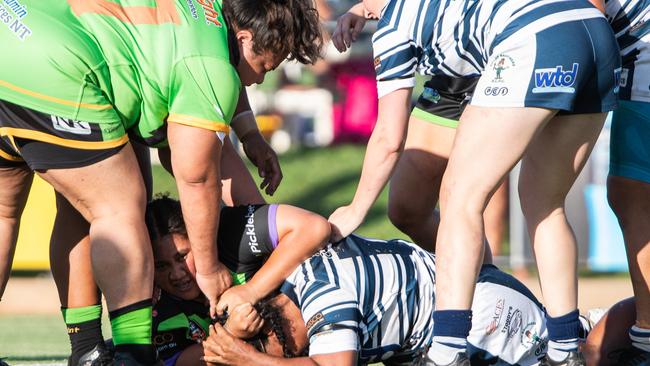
[
  {"x": 381, "y": 292},
  {"x": 630, "y": 20},
  {"x": 456, "y": 37}
]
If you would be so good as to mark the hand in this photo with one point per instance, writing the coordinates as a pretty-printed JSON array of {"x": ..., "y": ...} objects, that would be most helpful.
[
  {"x": 223, "y": 348},
  {"x": 235, "y": 296},
  {"x": 260, "y": 153},
  {"x": 344, "y": 221},
  {"x": 348, "y": 27},
  {"x": 244, "y": 322},
  {"x": 213, "y": 285}
]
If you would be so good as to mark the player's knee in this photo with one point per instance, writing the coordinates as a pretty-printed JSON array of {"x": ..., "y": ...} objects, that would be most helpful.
[
  {"x": 400, "y": 216},
  {"x": 462, "y": 199},
  {"x": 319, "y": 227}
]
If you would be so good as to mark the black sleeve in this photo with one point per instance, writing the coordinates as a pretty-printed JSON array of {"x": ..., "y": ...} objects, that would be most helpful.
[{"x": 247, "y": 236}]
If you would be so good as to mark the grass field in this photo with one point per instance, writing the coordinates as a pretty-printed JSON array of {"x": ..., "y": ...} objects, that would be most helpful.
[{"x": 318, "y": 180}]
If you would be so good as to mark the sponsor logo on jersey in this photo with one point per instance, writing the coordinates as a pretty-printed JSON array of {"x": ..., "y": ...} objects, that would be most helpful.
[
  {"x": 250, "y": 230},
  {"x": 617, "y": 80},
  {"x": 529, "y": 336},
  {"x": 496, "y": 317},
  {"x": 431, "y": 95},
  {"x": 377, "y": 62},
  {"x": 196, "y": 333},
  {"x": 318, "y": 318},
  {"x": 495, "y": 91},
  {"x": 70, "y": 125},
  {"x": 193, "y": 13},
  {"x": 624, "y": 76},
  {"x": 14, "y": 22},
  {"x": 210, "y": 12},
  {"x": 556, "y": 79},
  {"x": 513, "y": 322},
  {"x": 501, "y": 63}
]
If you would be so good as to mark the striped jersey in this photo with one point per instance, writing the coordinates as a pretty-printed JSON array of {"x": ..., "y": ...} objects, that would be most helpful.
[
  {"x": 377, "y": 298},
  {"x": 456, "y": 37},
  {"x": 629, "y": 19}
]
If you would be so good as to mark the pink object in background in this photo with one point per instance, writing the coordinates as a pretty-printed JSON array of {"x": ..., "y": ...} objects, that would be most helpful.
[{"x": 355, "y": 106}]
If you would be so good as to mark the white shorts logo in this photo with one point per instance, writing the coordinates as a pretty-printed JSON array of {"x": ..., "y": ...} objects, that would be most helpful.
[
  {"x": 70, "y": 125},
  {"x": 555, "y": 80}
]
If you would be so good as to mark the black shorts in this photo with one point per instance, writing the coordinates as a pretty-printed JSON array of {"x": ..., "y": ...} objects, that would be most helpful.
[
  {"x": 247, "y": 237},
  {"x": 443, "y": 99},
  {"x": 44, "y": 141}
]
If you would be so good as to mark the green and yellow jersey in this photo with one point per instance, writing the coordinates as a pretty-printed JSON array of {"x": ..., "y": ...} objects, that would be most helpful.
[{"x": 122, "y": 64}]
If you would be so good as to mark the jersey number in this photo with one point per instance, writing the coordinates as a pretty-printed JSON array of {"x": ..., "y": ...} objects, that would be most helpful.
[{"x": 164, "y": 11}]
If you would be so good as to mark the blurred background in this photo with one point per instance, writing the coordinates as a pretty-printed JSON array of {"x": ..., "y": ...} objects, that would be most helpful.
[{"x": 319, "y": 118}]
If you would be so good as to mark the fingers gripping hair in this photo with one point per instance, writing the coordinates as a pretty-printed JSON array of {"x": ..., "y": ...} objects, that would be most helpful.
[{"x": 280, "y": 26}]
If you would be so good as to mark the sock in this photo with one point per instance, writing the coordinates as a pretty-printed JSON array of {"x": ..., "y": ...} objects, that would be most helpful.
[
  {"x": 450, "y": 331},
  {"x": 84, "y": 329},
  {"x": 131, "y": 327},
  {"x": 563, "y": 335},
  {"x": 640, "y": 338}
]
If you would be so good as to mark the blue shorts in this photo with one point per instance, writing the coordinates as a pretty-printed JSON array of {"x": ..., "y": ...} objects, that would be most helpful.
[
  {"x": 572, "y": 66},
  {"x": 629, "y": 155}
]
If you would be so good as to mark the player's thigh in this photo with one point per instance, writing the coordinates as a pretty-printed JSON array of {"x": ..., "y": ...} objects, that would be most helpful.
[
  {"x": 238, "y": 185},
  {"x": 190, "y": 356},
  {"x": 555, "y": 158},
  {"x": 415, "y": 183},
  {"x": 489, "y": 142},
  {"x": 107, "y": 188},
  {"x": 15, "y": 182}
]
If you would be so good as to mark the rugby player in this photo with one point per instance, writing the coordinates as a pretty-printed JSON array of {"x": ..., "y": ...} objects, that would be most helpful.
[
  {"x": 367, "y": 300},
  {"x": 415, "y": 184},
  {"x": 280, "y": 236},
  {"x": 79, "y": 74},
  {"x": 628, "y": 185},
  {"x": 535, "y": 99}
]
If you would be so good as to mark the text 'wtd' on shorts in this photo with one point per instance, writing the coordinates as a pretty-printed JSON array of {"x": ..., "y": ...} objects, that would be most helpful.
[
  {"x": 443, "y": 100},
  {"x": 573, "y": 67},
  {"x": 44, "y": 141},
  {"x": 629, "y": 155}
]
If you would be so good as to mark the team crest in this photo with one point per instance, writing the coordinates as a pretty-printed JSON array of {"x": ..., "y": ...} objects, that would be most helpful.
[{"x": 500, "y": 64}]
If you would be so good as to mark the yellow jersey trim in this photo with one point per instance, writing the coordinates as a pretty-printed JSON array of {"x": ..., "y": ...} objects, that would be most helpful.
[
  {"x": 10, "y": 157},
  {"x": 75, "y": 144},
  {"x": 217, "y": 126},
  {"x": 34, "y": 94}
]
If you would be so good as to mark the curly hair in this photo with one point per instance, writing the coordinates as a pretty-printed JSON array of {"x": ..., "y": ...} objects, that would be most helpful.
[
  {"x": 282, "y": 26},
  {"x": 164, "y": 217},
  {"x": 271, "y": 315}
]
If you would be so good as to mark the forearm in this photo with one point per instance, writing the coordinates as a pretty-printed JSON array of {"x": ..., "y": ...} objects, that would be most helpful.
[
  {"x": 199, "y": 202},
  {"x": 378, "y": 165}
]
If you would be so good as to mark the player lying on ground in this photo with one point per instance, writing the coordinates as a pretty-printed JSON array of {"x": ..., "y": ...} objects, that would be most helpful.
[
  {"x": 359, "y": 301},
  {"x": 280, "y": 235}
]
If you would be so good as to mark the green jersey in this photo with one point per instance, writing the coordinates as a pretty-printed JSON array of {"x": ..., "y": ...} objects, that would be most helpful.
[{"x": 123, "y": 64}]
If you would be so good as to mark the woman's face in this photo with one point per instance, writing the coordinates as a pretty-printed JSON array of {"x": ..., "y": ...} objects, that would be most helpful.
[
  {"x": 253, "y": 67},
  {"x": 174, "y": 267}
]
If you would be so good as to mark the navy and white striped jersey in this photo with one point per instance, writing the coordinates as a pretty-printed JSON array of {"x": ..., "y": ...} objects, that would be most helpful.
[
  {"x": 630, "y": 21},
  {"x": 377, "y": 298},
  {"x": 457, "y": 37}
]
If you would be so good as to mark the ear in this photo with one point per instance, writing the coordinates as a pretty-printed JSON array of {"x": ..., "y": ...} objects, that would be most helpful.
[{"x": 244, "y": 36}]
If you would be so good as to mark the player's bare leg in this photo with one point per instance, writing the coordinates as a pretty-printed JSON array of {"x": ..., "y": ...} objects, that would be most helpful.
[
  {"x": 551, "y": 164},
  {"x": 630, "y": 200},
  {"x": 118, "y": 238},
  {"x": 15, "y": 183},
  {"x": 488, "y": 143},
  {"x": 238, "y": 186},
  {"x": 415, "y": 184},
  {"x": 495, "y": 218}
]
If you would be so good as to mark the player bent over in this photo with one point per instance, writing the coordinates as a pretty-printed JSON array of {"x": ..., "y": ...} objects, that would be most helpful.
[{"x": 107, "y": 68}]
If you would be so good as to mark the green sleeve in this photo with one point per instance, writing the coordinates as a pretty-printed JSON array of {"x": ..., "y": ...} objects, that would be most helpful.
[{"x": 203, "y": 93}]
